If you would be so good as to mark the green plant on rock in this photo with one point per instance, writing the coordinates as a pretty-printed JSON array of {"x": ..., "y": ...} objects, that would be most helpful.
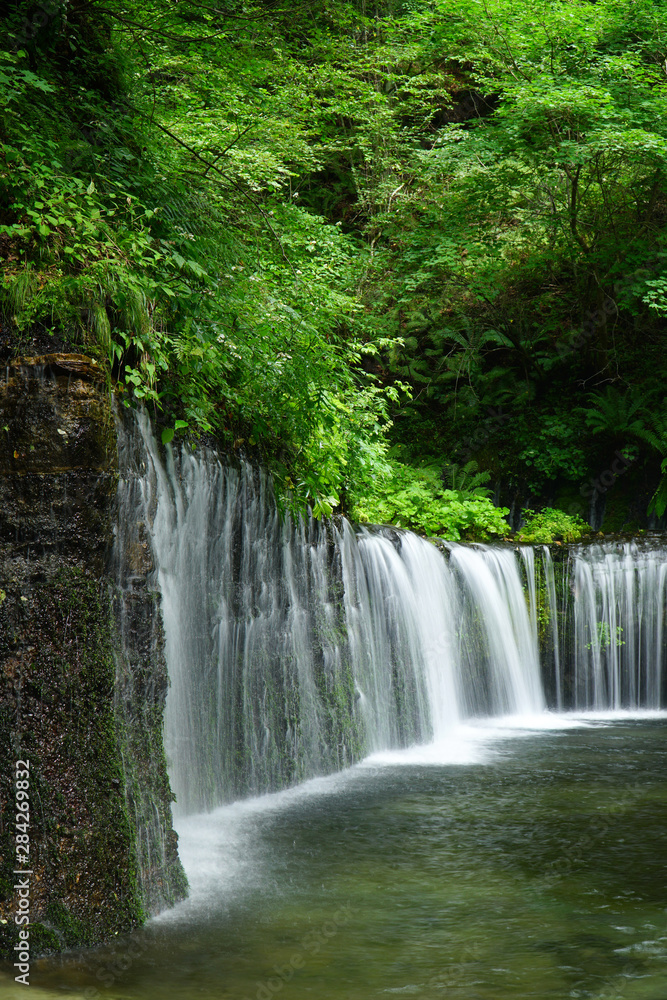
[
  {"x": 604, "y": 638},
  {"x": 415, "y": 498},
  {"x": 551, "y": 525}
]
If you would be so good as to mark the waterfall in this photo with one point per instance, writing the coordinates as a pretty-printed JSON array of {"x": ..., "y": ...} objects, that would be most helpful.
[
  {"x": 551, "y": 611},
  {"x": 297, "y": 648},
  {"x": 618, "y": 592},
  {"x": 140, "y": 688},
  {"x": 491, "y": 576}
]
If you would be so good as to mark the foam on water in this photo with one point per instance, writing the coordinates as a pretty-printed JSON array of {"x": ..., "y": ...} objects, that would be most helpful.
[
  {"x": 221, "y": 850},
  {"x": 298, "y": 649}
]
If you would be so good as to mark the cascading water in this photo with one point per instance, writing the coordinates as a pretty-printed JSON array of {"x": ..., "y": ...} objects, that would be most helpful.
[
  {"x": 619, "y": 612},
  {"x": 296, "y": 649},
  {"x": 140, "y": 688},
  {"x": 551, "y": 647},
  {"x": 492, "y": 578},
  {"x": 253, "y": 638}
]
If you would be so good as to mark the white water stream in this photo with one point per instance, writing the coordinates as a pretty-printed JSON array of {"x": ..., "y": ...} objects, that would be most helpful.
[{"x": 297, "y": 649}]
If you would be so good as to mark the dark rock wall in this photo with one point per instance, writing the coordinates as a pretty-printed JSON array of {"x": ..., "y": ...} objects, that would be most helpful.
[
  {"x": 83, "y": 679},
  {"x": 140, "y": 693}
]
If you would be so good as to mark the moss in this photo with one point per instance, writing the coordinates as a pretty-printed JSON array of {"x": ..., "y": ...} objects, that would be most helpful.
[
  {"x": 60, "y": 660},
  {"x": 81, "y": 834},
  {"x": 140, "y": 691},
  {"x": 67, "y": 930},
  {"x": 80, "y": 830},
  {"x": 44, "y": 940}
]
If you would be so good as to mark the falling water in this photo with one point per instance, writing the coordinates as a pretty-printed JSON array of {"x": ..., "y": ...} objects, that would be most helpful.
[
  {"x": 295, "y": 649},
  {"x": 619, "y": 609},
  {"x": 551, "y": 612},
  {"x": 491, "y": 577},
  {"x": 141, "y": 685}
]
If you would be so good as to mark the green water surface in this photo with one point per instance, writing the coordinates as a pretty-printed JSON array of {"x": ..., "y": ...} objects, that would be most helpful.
[{"x": 540, "y": 871}]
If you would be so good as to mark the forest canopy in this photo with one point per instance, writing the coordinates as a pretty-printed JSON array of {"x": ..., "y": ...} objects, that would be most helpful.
[{"x": 410, "y": 255}]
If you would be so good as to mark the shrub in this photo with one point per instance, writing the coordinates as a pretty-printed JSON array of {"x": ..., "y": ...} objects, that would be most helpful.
[
  {"x": 551, "y": 525},
  {"x": 416, "y": 498}
]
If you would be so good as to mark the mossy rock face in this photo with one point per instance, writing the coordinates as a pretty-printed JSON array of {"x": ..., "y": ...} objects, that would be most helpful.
[
  {"x": 58, "y": 713},
  {"x": 58, "y": 465},
  {"x": 70, "y": 699},
  {"x": 141, "y": 684}
]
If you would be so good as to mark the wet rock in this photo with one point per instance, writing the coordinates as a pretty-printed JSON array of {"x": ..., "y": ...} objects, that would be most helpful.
[{"x": 82, "y": 674}]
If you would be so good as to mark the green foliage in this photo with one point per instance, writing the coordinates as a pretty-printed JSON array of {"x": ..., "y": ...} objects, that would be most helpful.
[
  {"x": 552, "y": 450},
  {"x": 655, "y": 436},
  {"x": 466, "y": 479},
  {"x": 318, "y": 234},
  {"x": 614, "y": 413},
  {"x": 551, "y": 525},
  {"x": 522, "y": 262},
  {"x": 658, "y": 502},
  {"x": 417, "y": 499},
  {"x": 603, "y": 637},
  {"x": 171, "y": 240}
]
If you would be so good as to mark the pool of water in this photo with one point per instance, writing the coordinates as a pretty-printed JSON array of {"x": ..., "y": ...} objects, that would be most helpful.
[{"x": 507, "y": 863}]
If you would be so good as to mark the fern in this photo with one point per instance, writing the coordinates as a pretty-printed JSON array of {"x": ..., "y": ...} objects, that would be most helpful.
[
  {"x": 656, "y": 434},
  {"x": 614, "y": 413},
  {"x": 658, "y": 502},
  {"x": 466, "y": 479}
]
